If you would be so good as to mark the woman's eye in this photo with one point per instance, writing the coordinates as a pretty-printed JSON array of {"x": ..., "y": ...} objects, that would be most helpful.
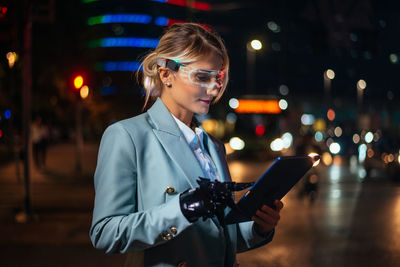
[{"x": 202, "y": 77}]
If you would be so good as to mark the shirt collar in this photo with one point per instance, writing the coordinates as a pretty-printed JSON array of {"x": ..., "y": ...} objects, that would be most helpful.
[{"x": 190, "y": 136}]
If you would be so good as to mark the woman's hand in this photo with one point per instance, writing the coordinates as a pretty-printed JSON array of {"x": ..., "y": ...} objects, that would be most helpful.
[{"x": 267, "y": 218}]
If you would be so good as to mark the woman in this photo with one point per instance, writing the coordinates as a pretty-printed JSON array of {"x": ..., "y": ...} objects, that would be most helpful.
[{"x": 147, "y": 163}]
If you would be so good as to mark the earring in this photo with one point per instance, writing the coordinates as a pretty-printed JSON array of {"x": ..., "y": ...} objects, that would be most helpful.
[{"x": 168, "y": 84}]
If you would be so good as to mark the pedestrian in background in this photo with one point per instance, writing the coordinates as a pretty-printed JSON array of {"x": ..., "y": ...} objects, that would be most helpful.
[
  {"x": 147, "y": 201},
  {"x": 36, "y": 135},
  {"x": 40, "y": 136},
  {"x": 44, "y": 142}
]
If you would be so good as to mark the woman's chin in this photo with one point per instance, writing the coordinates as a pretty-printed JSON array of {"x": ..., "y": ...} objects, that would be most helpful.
[
  {"x": 201, "y": 108},
  {"x": 202, "y": 111}
]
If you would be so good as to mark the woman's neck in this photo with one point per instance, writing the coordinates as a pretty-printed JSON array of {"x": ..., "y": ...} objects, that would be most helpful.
[
  {"x": 184, "y": 117},
  {"x": 180, "y": 113}
]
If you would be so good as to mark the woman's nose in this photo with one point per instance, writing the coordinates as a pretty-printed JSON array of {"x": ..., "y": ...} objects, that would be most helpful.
[{"x": 213, "y": 89}]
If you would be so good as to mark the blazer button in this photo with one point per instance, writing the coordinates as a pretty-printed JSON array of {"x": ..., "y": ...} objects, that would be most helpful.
[
  {"x": 173, "y": 230},
  {"x": 182, "y": 264},
  {"x": 167, "y": 237},
  {"x": 170, "y": 190}
]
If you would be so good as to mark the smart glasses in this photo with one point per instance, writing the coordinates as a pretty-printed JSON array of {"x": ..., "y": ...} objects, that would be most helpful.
[{"x": 200, "y": 77}]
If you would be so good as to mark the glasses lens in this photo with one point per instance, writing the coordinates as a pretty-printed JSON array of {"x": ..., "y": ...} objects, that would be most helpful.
[{"x": 201, "y": 77}]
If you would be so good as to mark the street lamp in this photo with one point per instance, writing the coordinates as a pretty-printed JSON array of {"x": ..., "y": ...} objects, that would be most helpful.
[
  {"x": 256, "y": 45},
  {"x": 84, "y": 92},
  {"x": 78, "y": 82},
  {"x": 12, "y": 57},
  {"x": 329, "y": 75},
  {"x": 362, "y": 122},
  {"x": 361, "y": 85},
  {"x": 252, "y": 47}
]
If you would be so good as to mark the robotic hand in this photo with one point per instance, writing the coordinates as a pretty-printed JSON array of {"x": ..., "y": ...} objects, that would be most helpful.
[{"x": 209, "y": 199}]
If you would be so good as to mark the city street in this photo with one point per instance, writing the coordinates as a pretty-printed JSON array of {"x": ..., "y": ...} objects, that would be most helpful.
[
  {"x": 268, "y": 78},
  {"x": 352, "y": 222}
]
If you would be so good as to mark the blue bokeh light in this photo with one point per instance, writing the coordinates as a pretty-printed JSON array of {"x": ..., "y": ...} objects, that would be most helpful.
[{"x": 7, "y": 114}]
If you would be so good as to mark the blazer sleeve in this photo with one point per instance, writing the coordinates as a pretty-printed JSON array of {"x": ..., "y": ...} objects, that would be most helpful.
[
  {"x": 117, "y": 225},
  {"x": 248, "y": 238}
]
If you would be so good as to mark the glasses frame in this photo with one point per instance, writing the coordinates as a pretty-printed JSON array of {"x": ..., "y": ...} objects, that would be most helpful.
[{"x": 176, "y": 66}]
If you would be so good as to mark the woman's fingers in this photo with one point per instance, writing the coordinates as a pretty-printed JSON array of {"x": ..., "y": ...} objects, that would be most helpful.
[
  {"x": 263, "y": 225},
  {"x": 278, "y": 204},
  {"x": 267, "y": 218},
  {"x": 267, "y": 214}
]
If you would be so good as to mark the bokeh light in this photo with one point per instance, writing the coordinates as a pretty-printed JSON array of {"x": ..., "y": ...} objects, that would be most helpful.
[
  {"x": 330, "y": 74},
  {"x": 362, "y": 152},
  {"x": 277, "y": 145},
  {"x": 260, "y": 130},
  {"x": 7, "y": 114},
  {"x": 236, "y": 143},
  {"x": 361, "y": 84},
  {"x": 394, "y": 58},
  {"x": 313, "y": 154},
  {"x": 283, "y": 104},
  {"x": 256, "y": 44},
  {"x": 327, "y": 158},
  {"x": 231, "y": 117},
  {"x": 287, "y": 139},
  {"x": 318, "y": 136},
  {"x": 356, "y": 138},
  {"x": 12, "y": 57},
  {"x": 334, "y": 148},
  {"x": 78, "y": 82},
  {"x": 338, "y": 131},
  {"x": 369, "y": 137},
  {"x": 84, "y": 92},
  {"x": 233, "y": 103},
  {"x": 307, "y": 119},
  {"x": 331, "y": 114},
  {"x": 283, "y": 89}
]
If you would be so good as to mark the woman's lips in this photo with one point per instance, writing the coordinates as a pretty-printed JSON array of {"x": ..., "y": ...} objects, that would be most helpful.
[{"x": 208, "y": 102}]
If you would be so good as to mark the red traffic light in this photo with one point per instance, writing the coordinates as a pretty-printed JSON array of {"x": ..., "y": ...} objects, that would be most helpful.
[
  {"x": 260, "y": 130},
  {"x": 3, "y": 11},
  {"x": 78, "y": 82}
]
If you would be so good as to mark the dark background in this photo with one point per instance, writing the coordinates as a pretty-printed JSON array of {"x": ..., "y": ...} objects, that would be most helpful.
[
  {"x": 354, "y": 38},
  {"x": 45, "y": 211}
]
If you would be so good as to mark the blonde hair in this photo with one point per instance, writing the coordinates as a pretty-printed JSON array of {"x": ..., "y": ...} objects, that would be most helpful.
[{"x": 186, "y": 42}]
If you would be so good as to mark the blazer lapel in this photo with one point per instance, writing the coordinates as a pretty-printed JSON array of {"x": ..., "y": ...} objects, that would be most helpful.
[
  {"x": 174, "y": 143},
  {"x": 171, "y": 138},
  {"x": 218, "y": 158}
]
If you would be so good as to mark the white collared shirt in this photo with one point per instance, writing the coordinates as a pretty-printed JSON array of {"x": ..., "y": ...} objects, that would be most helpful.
[{"x": 195, "y": 141}]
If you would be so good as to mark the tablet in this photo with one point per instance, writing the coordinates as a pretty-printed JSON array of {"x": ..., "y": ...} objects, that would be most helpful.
[{"x": 275, "y": 183}]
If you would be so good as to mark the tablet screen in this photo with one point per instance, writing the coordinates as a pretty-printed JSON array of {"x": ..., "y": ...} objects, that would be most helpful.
[{"x": 275, "y": 183}]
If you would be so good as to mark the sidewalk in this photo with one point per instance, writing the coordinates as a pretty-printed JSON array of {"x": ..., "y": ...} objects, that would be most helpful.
[
  {"x": 62, "y": 201},
  {"x": 336, "y": 230}
]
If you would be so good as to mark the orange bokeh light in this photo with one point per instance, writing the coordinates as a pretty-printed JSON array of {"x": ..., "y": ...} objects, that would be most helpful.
[
  {"x": 331, "y": 114},
  {"x": 258, "y": 106}
]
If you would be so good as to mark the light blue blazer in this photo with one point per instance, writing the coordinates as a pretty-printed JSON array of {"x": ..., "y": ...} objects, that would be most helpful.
[{"x": 144, "y": 163}]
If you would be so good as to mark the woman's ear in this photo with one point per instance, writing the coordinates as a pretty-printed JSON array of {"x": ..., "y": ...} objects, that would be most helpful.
[{"x": 165, "y": 75}]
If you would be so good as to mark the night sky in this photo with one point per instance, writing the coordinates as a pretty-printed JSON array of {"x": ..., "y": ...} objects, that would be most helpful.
[
  {"x": 358, "y": 39},
  {"x": 354, "y": 38}
]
